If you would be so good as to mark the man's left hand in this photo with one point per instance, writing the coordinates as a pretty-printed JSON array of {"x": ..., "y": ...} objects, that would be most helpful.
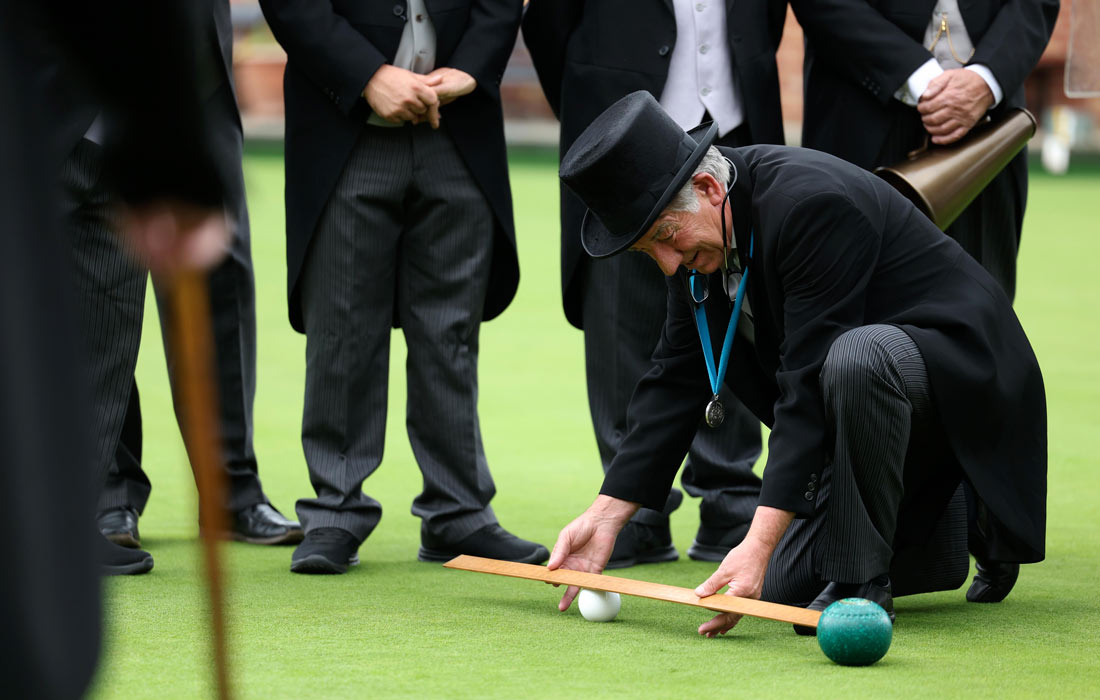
[
  {"x": 450, "y": 84},
  {"x": 743, "y": 571},
  {"x": 953, "y": 103}
]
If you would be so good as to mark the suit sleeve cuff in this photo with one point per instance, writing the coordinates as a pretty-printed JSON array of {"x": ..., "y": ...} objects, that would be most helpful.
[
  {"x": 987, "y": 76},
  {"x": 917, "y": 83}
]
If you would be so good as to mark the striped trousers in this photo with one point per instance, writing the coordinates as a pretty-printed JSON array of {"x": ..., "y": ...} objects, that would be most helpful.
[
  {"x": 891, "y": 499},
  {"x": 406, "y": 237},
  {"x": 111, "y": 296}
]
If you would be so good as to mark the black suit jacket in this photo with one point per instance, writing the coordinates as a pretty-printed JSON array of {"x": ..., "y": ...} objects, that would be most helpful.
[
  {"x": 836, "y": 248},
  {"x": 590, "y": 54},
  {"x": 333, "y": 49},
  {"x": 74, "y": 92},
  {"x": 858, "y": 53}
]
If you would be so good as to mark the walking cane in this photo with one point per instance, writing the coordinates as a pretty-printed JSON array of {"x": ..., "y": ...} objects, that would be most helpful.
[{"x": 193, "y": 350}]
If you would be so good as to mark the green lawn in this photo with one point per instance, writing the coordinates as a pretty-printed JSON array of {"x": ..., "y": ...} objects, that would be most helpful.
[{"x": 396, "y": 627}]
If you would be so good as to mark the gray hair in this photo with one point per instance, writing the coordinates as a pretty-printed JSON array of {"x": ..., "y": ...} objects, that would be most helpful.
[{"x": 713, "y": 163}]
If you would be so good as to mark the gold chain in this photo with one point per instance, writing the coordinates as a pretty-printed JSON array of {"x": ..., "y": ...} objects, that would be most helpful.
[{"x": 945, "y": 31}]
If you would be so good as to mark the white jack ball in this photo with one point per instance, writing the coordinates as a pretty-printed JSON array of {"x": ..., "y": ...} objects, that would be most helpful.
[{"x": 599, "y": 606}]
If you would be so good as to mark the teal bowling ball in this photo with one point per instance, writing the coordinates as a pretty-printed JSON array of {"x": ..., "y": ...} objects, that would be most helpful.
[{"x": 854, "y": 632}]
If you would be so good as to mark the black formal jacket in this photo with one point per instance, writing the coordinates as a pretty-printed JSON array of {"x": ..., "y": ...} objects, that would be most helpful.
[
  {"x": 590, "y": 54},
  {"x": 836, "y": 248},
  {"x": 333, "y": 49},
  {"x": 75, "y": 92},
  {"x": 858, "y": 53}
]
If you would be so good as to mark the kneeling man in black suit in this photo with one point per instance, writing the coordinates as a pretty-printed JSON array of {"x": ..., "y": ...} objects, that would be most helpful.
[{"x": 888, "y": 364}]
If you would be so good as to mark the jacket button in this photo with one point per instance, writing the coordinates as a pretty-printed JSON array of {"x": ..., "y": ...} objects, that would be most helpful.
[
  {"x": 663, "y": 51},
  {"x": 809, "y": 495},
  {"x": 398, "y": 10},
  {"x": 811, "y": 486}
]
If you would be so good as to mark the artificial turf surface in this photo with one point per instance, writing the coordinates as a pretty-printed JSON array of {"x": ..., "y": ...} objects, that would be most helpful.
[{"x": 396, "y": 627}]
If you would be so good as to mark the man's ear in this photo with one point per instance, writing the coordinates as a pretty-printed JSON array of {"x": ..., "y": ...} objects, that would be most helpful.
[{"x": 709, "y": 188}]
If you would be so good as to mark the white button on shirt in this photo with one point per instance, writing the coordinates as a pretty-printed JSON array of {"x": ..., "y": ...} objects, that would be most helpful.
[{"x": 700, "y": 72}]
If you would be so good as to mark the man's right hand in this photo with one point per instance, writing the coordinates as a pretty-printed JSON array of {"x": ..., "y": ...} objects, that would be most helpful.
[
  {"x": 398, "y": 95},
  {"x": 586, "y": 543}
]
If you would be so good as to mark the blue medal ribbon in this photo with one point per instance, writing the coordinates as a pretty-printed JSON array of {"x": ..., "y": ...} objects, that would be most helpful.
[{"x": 717, "y": 375}]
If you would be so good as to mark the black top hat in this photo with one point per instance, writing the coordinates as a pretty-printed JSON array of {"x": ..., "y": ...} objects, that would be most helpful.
[{"x": 626, "y": 166}]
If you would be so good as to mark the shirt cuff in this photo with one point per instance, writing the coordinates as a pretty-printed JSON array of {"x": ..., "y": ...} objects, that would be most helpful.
[
  {"x": 987, "y": 76},
  {"x": 914, "y": 87}
]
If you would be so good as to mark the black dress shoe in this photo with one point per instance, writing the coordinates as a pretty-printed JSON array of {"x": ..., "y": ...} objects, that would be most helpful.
[
  {"x": 120, "y": 525},
  {"x": 642, "y": 543},
  {"x": 877, "y": 590},
  {"x": 714, "y": 543},
  {"x": 115, "y": 560},
  {"x": 993, "y": 581},
  {"x": 647, "y": 539},
  {"x": 262, "y": 524},
  {"x": 326, "y": 550},
  {"x": 491, "y": 541}
]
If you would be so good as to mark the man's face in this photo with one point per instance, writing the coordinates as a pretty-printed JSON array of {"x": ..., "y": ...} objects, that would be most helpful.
[{"x": 692, "y": 240}]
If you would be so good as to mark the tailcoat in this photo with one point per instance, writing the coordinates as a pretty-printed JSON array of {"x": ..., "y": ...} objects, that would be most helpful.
[
  {"x": 833, "y": 248},
  {"x": 858, "y": 53},
  {"x": 333, "y": 48}
]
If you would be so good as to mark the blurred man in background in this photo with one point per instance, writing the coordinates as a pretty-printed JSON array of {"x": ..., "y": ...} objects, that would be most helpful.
[
  {"x": 233, "y": 306},
  {"x": 51, "y": 58}
]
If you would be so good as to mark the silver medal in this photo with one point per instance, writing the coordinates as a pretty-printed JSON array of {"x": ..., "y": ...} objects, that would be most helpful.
[{"x": 716, "y": 412}]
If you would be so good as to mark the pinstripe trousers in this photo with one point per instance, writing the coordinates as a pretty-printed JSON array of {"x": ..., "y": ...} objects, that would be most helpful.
[
  {"x": 891, "y": 499},
  {"x": 405, "y": 237},
  {"x": 233, "y": 311},
  {"x": 111, "y": 298}
]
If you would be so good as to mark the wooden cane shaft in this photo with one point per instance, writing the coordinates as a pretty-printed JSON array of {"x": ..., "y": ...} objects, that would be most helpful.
[{"x": 195, "y": 387}]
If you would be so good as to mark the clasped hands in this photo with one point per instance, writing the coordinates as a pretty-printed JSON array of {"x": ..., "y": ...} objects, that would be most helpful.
[
  {"x": 953, "y": 103},
  {"x": 398, "y": 95},
  {"x": 586, "y": 544}
]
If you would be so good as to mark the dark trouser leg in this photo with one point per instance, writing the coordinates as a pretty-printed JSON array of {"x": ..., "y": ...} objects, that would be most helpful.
[
  {"x": 111, "y": 293},
  {"x": 891, "y": 486},
  {"x": 127, "y": 485},
  {"x": 624, "y": 312},
  {"x": 233, "y": 310},
  {"x": 443, "y": 276},
  {"x": 348, "y": 283}
]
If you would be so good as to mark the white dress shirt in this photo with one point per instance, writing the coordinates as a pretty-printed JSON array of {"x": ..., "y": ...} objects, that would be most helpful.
[{"x": 700, "y": 72}]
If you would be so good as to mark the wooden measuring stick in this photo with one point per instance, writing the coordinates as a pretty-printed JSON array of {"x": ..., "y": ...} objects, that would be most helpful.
[{"x": 642, "y": 589}]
